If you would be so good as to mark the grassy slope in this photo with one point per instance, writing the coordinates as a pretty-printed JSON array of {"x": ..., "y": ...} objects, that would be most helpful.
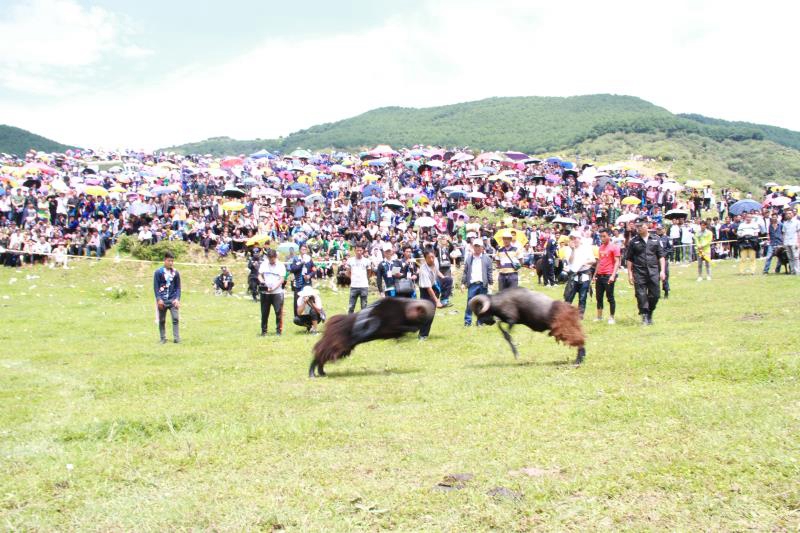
[
  {"x": 18, "y": 141},
  {"x": 689, "y": 425}
]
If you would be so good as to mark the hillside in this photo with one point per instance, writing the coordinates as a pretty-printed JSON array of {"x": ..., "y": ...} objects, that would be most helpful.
[
  {"x": 18, "y": 142},
  {"x": 531, "y": 124},
  {"x": 772, "y": 133}
]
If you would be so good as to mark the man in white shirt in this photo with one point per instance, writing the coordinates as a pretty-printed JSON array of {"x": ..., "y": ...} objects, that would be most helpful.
[
  {"x": 579, "y": 267},
  {"x": 358, "y": 268},
  {"x": 791, "y": 239},
  {"x": 271, "y": 275}
]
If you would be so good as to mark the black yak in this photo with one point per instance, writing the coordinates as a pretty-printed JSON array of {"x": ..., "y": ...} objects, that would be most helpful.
[
  {"x": 535, "y": 310},
  {"x": 389, "y": 318}
]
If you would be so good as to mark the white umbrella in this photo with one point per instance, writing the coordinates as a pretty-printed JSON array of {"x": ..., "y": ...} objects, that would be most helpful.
[
  {"x": 408, "y": 190},
  {"x": 586, "y": 179},
  {"x": 671, "y": 186},
  {"x": 424, "y": 222},
  {"x": 476, "y": 194},
  {"x": 627, "y": 217},
  {"x": 565, "y": 220}
]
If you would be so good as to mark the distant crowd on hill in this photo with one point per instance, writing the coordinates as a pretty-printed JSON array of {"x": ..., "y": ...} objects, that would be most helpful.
[{"x": 53, "y": 206}]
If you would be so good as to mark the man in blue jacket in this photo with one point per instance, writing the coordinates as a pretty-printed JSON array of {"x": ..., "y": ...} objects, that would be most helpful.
[{"x": 167, "y": 288}]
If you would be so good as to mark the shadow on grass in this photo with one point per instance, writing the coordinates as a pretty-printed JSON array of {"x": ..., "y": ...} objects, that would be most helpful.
[
  {"x": 510, "y": 364},
  {"x": 334, "y": 374}
]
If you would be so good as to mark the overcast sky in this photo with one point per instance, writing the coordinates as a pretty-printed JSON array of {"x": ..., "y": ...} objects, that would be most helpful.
[{"x": 147, "y": 73}]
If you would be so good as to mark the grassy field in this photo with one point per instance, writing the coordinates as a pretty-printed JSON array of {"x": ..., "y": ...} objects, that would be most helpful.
[{"x": 692, "y": 424}]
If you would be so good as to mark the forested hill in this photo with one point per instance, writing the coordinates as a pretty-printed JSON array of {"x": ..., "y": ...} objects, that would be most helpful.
[
  {"x": 530, "y": 124},
  {"x": 18, "y": 142}
]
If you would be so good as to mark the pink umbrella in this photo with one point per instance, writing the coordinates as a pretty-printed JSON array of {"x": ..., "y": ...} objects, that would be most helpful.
[
  {"x": 457, "y": 214},
  {"x": 229, "y": 162},
  {"x": 779, "y": 201},
  {"x": 41, "y": 167}
]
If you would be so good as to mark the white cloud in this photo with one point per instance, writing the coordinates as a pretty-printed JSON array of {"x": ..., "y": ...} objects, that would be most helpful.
[
  {"x": 715, "y": 58},
  {"x": 48, "y": 45}
]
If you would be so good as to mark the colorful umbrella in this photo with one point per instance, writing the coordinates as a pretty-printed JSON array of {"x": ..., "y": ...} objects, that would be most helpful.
[
  {"x": 631, "y": 200},
  {"x": 95, "y": 190},
  {"x": 258, "y": 239},
  {"x": 233, "y": 206},
  {"x": 517, "y": 237}
]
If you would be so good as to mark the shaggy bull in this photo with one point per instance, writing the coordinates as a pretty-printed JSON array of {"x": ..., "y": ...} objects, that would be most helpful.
[
  {"x": 535, "y": 310},
  {"x": 389, "y": 318}
]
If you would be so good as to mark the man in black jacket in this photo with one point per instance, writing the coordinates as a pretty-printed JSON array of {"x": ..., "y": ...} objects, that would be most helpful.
[{"x": 645, "y": 259}]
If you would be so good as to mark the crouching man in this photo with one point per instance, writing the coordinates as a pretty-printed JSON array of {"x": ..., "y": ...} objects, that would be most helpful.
[{"x": 309, "y": 309}]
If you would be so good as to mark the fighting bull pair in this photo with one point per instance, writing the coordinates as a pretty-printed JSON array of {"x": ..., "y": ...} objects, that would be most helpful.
[{"x": 391, "y": 318}]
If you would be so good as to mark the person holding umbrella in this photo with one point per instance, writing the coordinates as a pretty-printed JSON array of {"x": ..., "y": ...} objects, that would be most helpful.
[
  {"x": 645, "y": 261},
  {"x": 167, "y": 289}
]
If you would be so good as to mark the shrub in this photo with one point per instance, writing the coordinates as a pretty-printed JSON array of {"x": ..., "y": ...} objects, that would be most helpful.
[
  {"x": 155, "y": 252},
  {"x": 126, "y": 243}
]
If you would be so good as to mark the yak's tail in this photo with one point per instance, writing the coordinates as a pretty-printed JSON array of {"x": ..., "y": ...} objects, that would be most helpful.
[
  {"x": 565, "y": 324},
  {"x": 335, "y": 342}
]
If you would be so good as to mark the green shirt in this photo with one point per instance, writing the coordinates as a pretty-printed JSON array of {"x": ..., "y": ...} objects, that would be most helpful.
[{"x": 703, "y": 242}]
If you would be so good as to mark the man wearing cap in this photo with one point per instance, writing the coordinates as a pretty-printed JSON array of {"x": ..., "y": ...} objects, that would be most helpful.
[
  {"x": 477, "y": 275},
  {"x": 271, "y": 276},
  {"x": 507, "y": 264},
  {"x": 387, "y": 272},
  {"x": 645, "y": 261}
]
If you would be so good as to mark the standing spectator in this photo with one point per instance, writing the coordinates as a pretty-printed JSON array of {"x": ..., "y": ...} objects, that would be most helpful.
[
  {"x": 775, "y": 240},
  {"x": 428, "y": 273},
  {"x": 271, "y": 279},
  {"x": 167, "y": 289},
  {"x": 579, "y": 265},
  {"x": 605, "y": 275},
  {"x": 645, "y": 261},
  {"x": 409, "y": 274},
  {"x": 747, "y": 233},
  {"x": 702, "y": 243},
  {"x": 791, "y": 240},
  {"x": 444, "y": 251},
  {"x": 358, "y": 268},
  {"x": 477, "y": 276},
  {"x": 666, "y": 244},
  {"x": 387, "y": 273},
  {"x": 507, "y": 264}
]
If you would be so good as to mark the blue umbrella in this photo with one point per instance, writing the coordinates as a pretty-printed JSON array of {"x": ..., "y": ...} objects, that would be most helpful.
[
  {"x": 566, "y": 164},
  {"x": 376, "y": 163},
  {"x": 457, "y": 194},
  {"x": 743, "y": 206},
  {"x": 2, "y": 192},
  {"x": 553, "y": 160},
  {"x": 490, "y": 170},
  {"x": 370, "y": 199},
  {"x": 161, "y": 190},
  {"x": 301, "y": 187},
  {"x": 261, "y": 154},
  {"x": 372, "y": 190}
]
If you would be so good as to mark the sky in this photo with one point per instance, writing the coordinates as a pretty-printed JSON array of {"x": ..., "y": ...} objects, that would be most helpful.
[{"x": 148, "y": 74}]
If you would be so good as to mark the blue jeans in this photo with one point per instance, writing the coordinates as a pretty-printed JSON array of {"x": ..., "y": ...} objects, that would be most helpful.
[
  {"x": 472, "y": 291},
  {"x": 582, "y": 290},
  {"x": 770, "y": 251}
]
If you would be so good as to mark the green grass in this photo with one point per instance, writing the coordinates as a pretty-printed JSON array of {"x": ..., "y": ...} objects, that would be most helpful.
[{"x": 689, "y": 425}]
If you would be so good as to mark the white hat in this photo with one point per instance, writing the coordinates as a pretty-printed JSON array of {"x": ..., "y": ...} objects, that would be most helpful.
[
  {"x": 308, "y": 290},
  {"x": 575, "y": 233},
  {"x": 477, "y": 242}
]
